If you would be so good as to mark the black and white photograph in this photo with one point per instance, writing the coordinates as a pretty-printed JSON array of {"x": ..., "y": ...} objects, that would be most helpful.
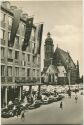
[{"x": 41, "y": 53}]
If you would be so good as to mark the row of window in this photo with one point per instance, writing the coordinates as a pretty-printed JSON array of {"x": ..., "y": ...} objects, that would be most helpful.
[
  {"x": 17, "y": 56},
  {"x": 17, "y": 71},
  {"x": 10, "y": 54}
]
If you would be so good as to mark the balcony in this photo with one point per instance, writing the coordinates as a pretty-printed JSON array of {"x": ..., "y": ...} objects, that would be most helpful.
[
  {"x": 3, "y": 24},
  {"x": 2, "y": 79},
  {"x": 9, "y": 79},
  {"x": 10, "y": 60},
  {"x": 2, "y": 42}
]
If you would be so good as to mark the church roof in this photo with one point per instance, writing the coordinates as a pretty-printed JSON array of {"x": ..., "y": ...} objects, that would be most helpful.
[
  {"x": 61, "y": 69},
  {"x": 66, "y": 58},
  {"x": 51, "y": 69}
]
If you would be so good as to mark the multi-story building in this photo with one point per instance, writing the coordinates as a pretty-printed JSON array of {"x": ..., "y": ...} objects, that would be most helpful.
[{"x": 18, "y": 67}]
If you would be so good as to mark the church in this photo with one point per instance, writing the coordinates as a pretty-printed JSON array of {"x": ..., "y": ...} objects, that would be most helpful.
[{"x": 59, "y": 67}]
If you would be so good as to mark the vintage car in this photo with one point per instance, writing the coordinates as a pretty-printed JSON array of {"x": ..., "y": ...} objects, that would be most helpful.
[
  {"x": 35, "y": 104},
  {"x": 5, "y": 113},
  {"x": 45, "y": 100}
]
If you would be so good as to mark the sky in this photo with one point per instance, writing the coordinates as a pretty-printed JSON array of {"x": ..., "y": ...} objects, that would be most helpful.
[{"x": 63, "y": 19}]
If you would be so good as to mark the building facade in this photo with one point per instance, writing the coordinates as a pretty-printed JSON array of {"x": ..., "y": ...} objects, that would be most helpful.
[
  {"x": 18, "y": 67},
  {"x": 60, "y": 64}
]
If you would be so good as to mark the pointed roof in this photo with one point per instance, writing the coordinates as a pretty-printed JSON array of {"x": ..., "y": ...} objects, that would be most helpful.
[
  {"x": 61, "y": 69},
  {"x": 51, "y": 69},
  {"x": 66, "y": 58}
]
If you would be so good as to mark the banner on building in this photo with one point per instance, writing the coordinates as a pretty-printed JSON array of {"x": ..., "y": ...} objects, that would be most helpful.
[
  {"x": 29, "y": 24},
  {"x": 38, "y": 38},
  {"x": 15, "y": 25}
]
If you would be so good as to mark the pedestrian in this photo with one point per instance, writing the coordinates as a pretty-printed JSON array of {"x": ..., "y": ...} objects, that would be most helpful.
[
  {"x": 76, "y": 98},
  {"x": 23, "y": 115},
  {"x": 61, "y": 105}
]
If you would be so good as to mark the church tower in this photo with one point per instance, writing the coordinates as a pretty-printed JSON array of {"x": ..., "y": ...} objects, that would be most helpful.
[{"x": 48, "y": 51}]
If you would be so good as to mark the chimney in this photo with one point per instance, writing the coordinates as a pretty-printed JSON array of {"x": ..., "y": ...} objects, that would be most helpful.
[
  {"x": 24, "y": 16},
  {"x": 6, "y": 4}
]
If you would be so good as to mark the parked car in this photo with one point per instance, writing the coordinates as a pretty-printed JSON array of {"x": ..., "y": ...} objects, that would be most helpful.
[
  {"x": 60, "y": 97},
  {"x": 36, "y": 104},
  {"x": 51, "y": 99},
  {"x": 6, "y": 113},
  {"x": 45, "y": 100}
]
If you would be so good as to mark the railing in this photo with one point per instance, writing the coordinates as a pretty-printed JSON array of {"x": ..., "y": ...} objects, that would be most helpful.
[
  {"x": 2, "y": 79},
  {"x": 9, "y": 79},
  {"x": 10, "y": 60},
  {"x": 2, "y": 41}
]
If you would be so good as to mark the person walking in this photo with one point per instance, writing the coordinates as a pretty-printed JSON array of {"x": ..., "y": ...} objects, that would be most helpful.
[
  {"x": 23, "y": 115},
  {"x": 76, "y": 98},
  {"x": 61, "y": 105}
]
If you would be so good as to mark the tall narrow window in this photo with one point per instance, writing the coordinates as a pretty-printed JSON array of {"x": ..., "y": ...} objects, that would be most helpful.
[
  {"x": 28, "y": 72},
  {"x": 2, "y": 70},
  {"x": 9, "y": 71},
  {"x": 23, "y": 72},
  {"x": 10, "y": 21},
  {"x": 2, "y": 52},
  {"x": 17, "y": 41},
  {"x": 10, "y": 53},
  {"x": 2, "y": 32},
  {"x": 28, "y": 57},
  {"x": 33, "y": 72},
  {"x": 17, "y": 71},
  {"x": 2, "y": 17},
  {"x": 16, "y": 55}
]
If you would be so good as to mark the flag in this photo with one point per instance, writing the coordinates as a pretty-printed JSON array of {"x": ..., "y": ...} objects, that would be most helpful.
[
  {"x": 14, "y": 28},
  {"x": 38, "y": 38},
  {"x": 29, "y": 24}
]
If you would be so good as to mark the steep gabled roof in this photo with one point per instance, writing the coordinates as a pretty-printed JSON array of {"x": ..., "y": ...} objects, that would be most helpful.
[
  {"x": 51, "y": 69},
  {"x": 66, "y": 58}
]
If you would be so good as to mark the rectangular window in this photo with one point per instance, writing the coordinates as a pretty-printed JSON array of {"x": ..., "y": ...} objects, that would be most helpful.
[
  {"x": 17, "y": 40},
  {"x": 2, "y": 52},
  {"x": 33, "y": 72},
  {"x": 10, "y": 53},
  {"x": 3, "y": 17},
  {"x": 10, "y": 21},
  {"x": 16, "y": 55},
  {"x": 9, "y": 36},
  {"x": 23, "y": 56},
  {"x": 38, "y": 73},
  {"x": 9, "y": 71},
  {"x": 17, "y": 71},
  {"x": 28, "y": 57},
  {"x": 28, "y": 72},
  {"x": 23, "y": 72},
  {"x": 2, "y": 70},
  {"x": 2, "y": 32}
]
